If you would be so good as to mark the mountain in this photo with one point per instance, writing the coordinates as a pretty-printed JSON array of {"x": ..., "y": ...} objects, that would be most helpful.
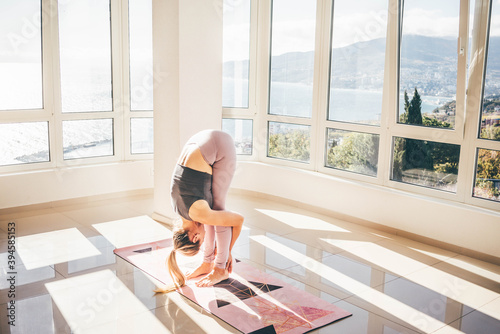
[{"x": 428, "y": 63}]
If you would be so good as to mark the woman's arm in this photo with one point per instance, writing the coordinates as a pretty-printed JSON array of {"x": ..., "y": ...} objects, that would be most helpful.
[
  {"x": 236, "y": 234},
  {"x": 201, "y": 212}
]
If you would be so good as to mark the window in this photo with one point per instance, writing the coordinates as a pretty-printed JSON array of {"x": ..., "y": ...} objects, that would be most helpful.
[
  {"x": 432, "y": 81},
  {"x": 355, "y": 88},
  {"x": 236, "y": 73},
  {"x": 22, "y": 143},
  {"x": 490, "y": 116},
  {"x": 236, "y": 53},
  {"x": 428, "y": 63},
  {"x": 141, "y": 77},
  {"x": 373, "y": 90},
  {"x": 292, "y": 58},
  {"x": 21, "y": 55},
  {"x": 291, "y": 78},
  {"x": 357, "y": 61},
  {"x": 73, "y": 114},
  {"x": 87, "y": 138},
  {"x": 241, "y": 130},
  {"x": 487, "y": 183},
  {"x": 425, "y": 163},
  {"x": 352, "y": 151},
  {"x": 141, "y": 134},
  {"x": 141, "y": 55},
  {"x": 289, "y": 141},
  {"x": 85, "y": 56}
]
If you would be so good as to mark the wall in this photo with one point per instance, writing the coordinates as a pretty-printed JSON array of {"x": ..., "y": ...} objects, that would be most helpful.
[
  {"x": 463, "y": 226},
  {"x": 187, "y": 56},
  {"x": 56, "y": 184}
]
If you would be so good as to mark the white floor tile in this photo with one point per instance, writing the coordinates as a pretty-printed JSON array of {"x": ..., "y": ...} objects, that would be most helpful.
[{"x": 69, "y": 278}]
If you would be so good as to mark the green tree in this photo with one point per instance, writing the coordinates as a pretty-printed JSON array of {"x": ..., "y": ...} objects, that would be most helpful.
[
  {"x": 490, "y": 132},
  {"x": 294, "y": 145},
  {"x": 488, "y": 169},
  {"x": 397, "y": 159},
  {"x": 358, "y": 152},
  {"x": 404, "y": 117},
  {"x": 429, "y": 121},
  {"x": 415, "y": 109}
]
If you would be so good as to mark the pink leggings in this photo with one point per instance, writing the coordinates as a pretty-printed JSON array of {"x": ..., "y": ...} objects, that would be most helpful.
[{"x": 218, "y": 150}]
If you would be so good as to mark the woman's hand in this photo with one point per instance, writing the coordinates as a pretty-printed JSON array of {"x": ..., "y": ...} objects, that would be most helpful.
[{"x": 229, "y": 265}]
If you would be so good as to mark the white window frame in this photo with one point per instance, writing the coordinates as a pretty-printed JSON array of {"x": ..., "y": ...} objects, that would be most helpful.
[
  {"x": 466, "y": 120},
  {"x": 482, "y": 17},
  {"x": 250, "y": 113},
  {"x": 52, "y": 112}
]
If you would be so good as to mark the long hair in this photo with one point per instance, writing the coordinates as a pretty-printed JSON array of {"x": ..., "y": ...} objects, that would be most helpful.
[{"x": 186, "y": 247}]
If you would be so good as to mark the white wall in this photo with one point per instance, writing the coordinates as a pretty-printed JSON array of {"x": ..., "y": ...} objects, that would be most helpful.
[
  {"x": 453, "y": 223},
  {"x": 56, "y": 184},
  {"x": 187, "y": 57}
]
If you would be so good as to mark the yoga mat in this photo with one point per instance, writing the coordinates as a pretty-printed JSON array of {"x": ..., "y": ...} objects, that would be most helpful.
[{"x": 249, "y": 300}]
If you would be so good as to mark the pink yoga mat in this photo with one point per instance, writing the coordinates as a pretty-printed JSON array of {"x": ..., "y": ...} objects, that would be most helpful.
[{"x": 249, "y": 300}]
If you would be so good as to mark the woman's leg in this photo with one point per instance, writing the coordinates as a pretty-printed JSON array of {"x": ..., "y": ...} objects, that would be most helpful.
[
  {"x": 209, "y": 244},
  {"x": 222, "y": 175}
]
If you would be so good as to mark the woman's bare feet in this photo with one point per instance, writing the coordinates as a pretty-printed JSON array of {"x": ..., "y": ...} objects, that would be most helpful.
[
  {"x": 204, "y": 268},
  {"x": 215, "y": 276}
]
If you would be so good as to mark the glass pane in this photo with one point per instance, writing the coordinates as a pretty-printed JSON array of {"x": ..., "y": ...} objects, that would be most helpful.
[
  {"x": 20, "y": 55},
  {"x": 87, "y": 138},
  {"x": 490, "y": 116},
  {"x": 236, "y": 53},
  {"x": 141, "y": 135},
  {"x": 428, "y": 63},
  {"x": 352, "y": 151},
  {"x": 426, "y": 163},
  {"x": 22, "y": 143},
  {"x": 357, "y": 61},
  {"x": 85, "y": 50},
  {"x": 242, "y": 132},
  {"x": 488, "y": 175},
  {"x": 292, "y": 57},
  {"x": 289, "y": 141},
  {"x": 141, "y": 54}
]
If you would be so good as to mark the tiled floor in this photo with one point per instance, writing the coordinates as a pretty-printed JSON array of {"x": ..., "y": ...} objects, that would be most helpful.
[{"x": 68, "y": 279}]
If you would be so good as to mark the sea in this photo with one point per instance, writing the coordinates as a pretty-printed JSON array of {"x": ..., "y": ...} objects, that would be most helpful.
[
  {"x": 29, "y": 141},
  {"x": 345, "y": 105}
]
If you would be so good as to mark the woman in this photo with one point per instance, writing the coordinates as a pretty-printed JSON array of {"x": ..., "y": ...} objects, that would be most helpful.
[{"x": 200, "y": 183}]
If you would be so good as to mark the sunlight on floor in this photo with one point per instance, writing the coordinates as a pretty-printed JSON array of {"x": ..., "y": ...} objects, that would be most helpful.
[
  {"x": 302, "y": 222},
  {"x": 390, "y": 305},
  {"x": 132, "y": 231},
  {"x": 45, "y": 249},
  {"x": 91, "y": 302}
]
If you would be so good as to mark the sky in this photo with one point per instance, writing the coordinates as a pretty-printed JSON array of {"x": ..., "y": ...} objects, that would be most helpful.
[
  {"x": 359, "y": 20},
  {"x": 354, "y": 20}
]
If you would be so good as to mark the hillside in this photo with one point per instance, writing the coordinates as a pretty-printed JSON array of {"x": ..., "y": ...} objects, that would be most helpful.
[{"x": 362, "y": 65}]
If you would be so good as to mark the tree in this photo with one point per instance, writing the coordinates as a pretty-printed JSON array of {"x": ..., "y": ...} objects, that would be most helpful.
[
  {"x": 293, "y": 144},
  {"x": 415, "y": 109},
  {"x": 357, "y": 153},
  {"x": 488, "y": 169},
  {"x": 428, "y": 121},
  {"x": 404, "y": 116}
]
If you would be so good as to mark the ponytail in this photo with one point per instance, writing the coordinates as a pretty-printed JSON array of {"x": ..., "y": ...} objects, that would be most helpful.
[{"x": 183, "y": 245}]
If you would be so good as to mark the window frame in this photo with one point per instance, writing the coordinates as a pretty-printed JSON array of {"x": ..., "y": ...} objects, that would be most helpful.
[
  {"x": 477, "y": 76},
  {"x": 51, "y": 83},
  {"x": 467, "y": 114},
  {"x": 250, "y": 113}
]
